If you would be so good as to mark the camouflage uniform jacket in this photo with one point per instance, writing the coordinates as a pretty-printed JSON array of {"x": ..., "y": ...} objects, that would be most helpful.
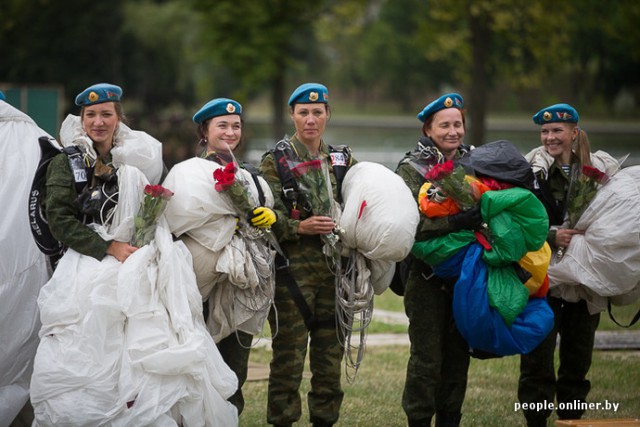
[
  {"x": 286, "y": 228},
  {"x": 304, "y": 252},
  {"x": 63, "y": 214},
  {"x": 553, "y": 188}
]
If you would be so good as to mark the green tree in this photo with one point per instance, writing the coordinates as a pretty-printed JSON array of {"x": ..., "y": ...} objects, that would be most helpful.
[
  {"x": 373, "y": 47},
  {"x": 605, "y": 57},
  {"x": 490, "y": 41},
  {"x": 258, "y": 43}
]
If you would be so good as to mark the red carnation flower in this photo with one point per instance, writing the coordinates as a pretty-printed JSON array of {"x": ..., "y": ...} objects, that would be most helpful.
[{"x": 440, "y": 171}]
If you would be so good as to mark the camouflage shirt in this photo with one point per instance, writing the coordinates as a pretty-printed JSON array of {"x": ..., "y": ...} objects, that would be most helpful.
[
  {"x": 63, "y": 214},
  {"x": 305, "y": 252}
]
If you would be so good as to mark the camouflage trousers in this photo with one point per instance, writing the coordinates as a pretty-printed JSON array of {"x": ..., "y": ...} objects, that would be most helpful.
[
  {"x": 290, "y": 348},
  {"x": 538, "y": 382},
  {"x": 436, "y": 378}
]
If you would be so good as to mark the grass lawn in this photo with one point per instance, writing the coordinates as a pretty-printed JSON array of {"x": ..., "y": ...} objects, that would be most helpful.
[{"x": 374, "y": 398}]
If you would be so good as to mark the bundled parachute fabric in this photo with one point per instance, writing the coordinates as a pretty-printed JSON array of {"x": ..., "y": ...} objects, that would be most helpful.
[
  {"x": 125, "y": 343},
  {"x": 500, "y": 160},
  {"x": 603, "y": 263},
  {"x": 379, "y": 218},
  {"x": 537, "y": 264},
  {"x": 517, "y": 224},
  {"x": 483, "y": 327},
  {"x": 23, "y": 268},
  {"x": 234, "y": 268}
]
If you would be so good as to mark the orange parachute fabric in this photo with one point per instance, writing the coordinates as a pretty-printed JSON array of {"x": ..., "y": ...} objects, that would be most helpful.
[{"x": 434, "y": 205}]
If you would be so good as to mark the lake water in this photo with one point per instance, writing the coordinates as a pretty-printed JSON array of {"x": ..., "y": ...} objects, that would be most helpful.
[{"x": 387, "y": 144}]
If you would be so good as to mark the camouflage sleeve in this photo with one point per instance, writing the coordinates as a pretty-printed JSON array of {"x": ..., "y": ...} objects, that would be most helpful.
[
  {"x": 61, "y": 211},
  {"x": 427, "y": 227},
  {"x": 285, "y": 227}
]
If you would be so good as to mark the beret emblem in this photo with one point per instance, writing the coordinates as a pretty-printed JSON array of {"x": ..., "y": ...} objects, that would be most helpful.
[
  {"x": 313, "y": 96},
  {"x": 448, "y": 102},
  {"x": 546, "y": 116},
  {"x": 231, "y": 108},
  {"x": 93, "y": 97}
]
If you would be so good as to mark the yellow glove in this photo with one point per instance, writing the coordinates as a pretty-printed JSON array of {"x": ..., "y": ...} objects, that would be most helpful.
[{"x": 262, "y": 217}]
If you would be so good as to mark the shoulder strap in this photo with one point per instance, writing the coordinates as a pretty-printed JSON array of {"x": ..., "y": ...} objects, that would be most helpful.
[
  {"x": 341, "y": 159},
  {"x": 254, "y": 174},
  {"x": 289, "y": 184},
  {"x": 633, "y": 321},
  {"x": 37, "y": 219},
  {"x": 78, "y": 167},
  {"x": 42, "y": 236}
]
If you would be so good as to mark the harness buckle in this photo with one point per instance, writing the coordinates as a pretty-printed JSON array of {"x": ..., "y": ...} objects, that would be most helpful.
[{"x": 290, "y": 193}]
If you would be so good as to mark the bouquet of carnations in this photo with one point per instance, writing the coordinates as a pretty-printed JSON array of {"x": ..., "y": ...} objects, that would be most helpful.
[
  {"x": 452, "y": 183},
  {"x": 314, "y": 183},
  {"x": 582, "y": 190},
  {"x": 231, "y": 184},
  {"x": 153, "y": 205}
]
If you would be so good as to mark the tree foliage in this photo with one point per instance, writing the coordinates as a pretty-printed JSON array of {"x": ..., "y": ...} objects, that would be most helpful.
[
  {"x": 258, "y": 42},
  {"x": 497, "y": 53}
]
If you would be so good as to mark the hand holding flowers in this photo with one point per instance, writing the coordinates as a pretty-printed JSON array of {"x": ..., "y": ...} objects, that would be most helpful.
[
  {"x": 153, "y": 205},
  {"x": 314, "y": 183}
]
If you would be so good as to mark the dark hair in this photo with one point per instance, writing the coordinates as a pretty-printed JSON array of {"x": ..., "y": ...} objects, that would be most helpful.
[
  {"x": 203, "y": 129},
  {"x": 428, "y": 121}
]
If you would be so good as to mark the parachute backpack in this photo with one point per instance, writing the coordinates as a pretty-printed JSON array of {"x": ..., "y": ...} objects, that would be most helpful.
[{"x": 49, "y": 148}]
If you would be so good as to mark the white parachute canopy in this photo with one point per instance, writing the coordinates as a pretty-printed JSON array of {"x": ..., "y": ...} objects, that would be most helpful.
[
  {"x": 379, "y": 218},
  {"x": 232, "y": 267},
  {"x": 23, "y": 268},
  {"x": 604, "y": 262},
  {"x": 127, "y": 341}
]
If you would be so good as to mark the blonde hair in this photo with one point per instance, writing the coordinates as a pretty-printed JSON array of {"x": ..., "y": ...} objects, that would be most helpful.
[{"x": 582, "y": 148}]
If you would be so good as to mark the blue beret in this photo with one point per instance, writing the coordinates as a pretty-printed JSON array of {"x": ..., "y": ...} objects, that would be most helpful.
[
  {"x": 556, "y": 113},
  {"x": 309, "y": 93},
  {"x": 2, "y": 98},
  {"x": 217, "y": 107},
  {"x": 448, "y": 100},
  {"x": 99, "y": 93}
]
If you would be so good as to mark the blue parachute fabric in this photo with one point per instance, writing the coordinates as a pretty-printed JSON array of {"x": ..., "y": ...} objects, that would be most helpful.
[{"x": 481, "y": 325}]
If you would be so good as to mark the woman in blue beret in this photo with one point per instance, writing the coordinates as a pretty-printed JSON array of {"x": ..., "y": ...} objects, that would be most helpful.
[
  {"x": 236, "y": 301},
  {"x": 557, "y": 163},
  {"x": 305, "y": 298},
  {"x": 437, "y": 370},
  {"x": 122, "y": 338}
]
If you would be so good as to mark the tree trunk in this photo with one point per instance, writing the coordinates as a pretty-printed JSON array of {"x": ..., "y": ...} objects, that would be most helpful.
[{"x": 478, "y": 93}]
